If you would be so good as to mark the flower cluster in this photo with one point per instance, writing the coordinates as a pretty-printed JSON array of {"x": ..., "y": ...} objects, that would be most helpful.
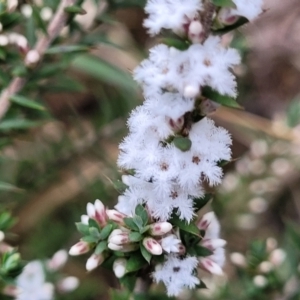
[
  {"x": 32, "y": 284},
  {"x": 172, "y": 150}
]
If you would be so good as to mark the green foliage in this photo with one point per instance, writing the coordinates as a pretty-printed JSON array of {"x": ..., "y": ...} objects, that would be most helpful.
[{"x": 293, "y": 113}]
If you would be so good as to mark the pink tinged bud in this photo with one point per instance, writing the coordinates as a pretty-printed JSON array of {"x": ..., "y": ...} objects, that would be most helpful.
[
  {"x": 152, "y": 246},
  {"x": 210, "y": 266},
  {"x": 277, "y": 257},
  {"x": 90, "y": 209},
  {"x": 114, "y": 247},
  {"x": 195, "y": 32},
  {"x": 120, "y": 239},
  {"x": 115, "y": 216},
  {"x": 207, "y": 106},
  {"x": 58, "y": 260},
  {"x": 114, "y": 233},
  {"x": 161, "y": 228},
  {"x": 79, "y": 248},
  {"x": 3, "y": 40},
  {"x": 238, "y": 259},
  {"x": 85, "y": 219},
  {"x": 119, "y": 267},
  {"x": 97, "y": 212},
  {"x": 12, "y": 5},
  {"x": 68, "y": 284},
  {"x": 213, "y": 243},
  {"x": 32, "y": 58},
  {"x": 191, "y": 91},
  {"x": 94, "y": 261},
  {"x": 226, "y": 16},
  {"x": 205, "y": 221}
]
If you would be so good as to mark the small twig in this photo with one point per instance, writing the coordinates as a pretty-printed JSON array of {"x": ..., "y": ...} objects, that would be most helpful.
[{"x": 55, "y": 27}]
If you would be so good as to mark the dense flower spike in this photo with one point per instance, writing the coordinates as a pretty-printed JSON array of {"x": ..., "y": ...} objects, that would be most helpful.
[{"x": 173, "y": 150}]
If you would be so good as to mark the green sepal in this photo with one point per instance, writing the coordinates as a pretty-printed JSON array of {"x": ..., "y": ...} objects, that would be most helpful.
[
  {"x": 94, "y": 232},
  {"x": 131, "y": 224},
  {"x": 94, "y": 223},
  {"x": 147, "y": 255},
  {"x": 183, "y": 225},
  {"x": 182, "y": 143},
  {"x": 176, "y": 43},
  {"x": 142, "y": 213},
  {"x": 224, "y": 3},
  {"x": 120, "y": 186},
  {"x": 89, "y": 239},
  {"x": 135, "y": 262},
  {"x": 135, "y": 237},
  {"x": 101, "y": 247},
  {"x": 202, "y": 251},
  {"x": 83, "y": 228},
  {"x": 213, "y": 95},
  {"x": 106, "y": 231}
]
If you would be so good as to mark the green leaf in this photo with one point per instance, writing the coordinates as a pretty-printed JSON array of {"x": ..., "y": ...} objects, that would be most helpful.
[
  {"x": 19, "y": 71},
  {"x": 139, "y": 222},
  {"x": 6, "y": 221},
  {"x": 182, "y": 143},
  {"x": 224, "y": 3},
  {"x": 183, "y": 225},
  {"x": 103, "y": 71},
  {"x": 294, "y": 234},
  {"x": 94, "y": 232},
  {"x": 101, "y": 247},
  {"x": 2, "y": 54},
  {"x": 105, "y": 232},
  {"x": 135, "y": 237},
  {"x": 67, "y": 49},
  {"x": 142, "y": 213},
  {"x": 82, "y": 228},
  {"x": 202, "y": 251},
  {"x": 199, "y": 203},
  {"x": 145, "y": 253},
  {"x": 293, "y": 113},
  {"x": 176, "y": 43},
  {"x": 75, "y": 9},
  {"x": 23, "y": 101},
  {"x": 93, "y": 223},
  {"x": 39, "y": 21},
  {"x": 7, "y": 187},
  {"x": 17, "y": 124},
  {"x": 117, "y": 4},
  {"x": 119, "y": 295},
  {"x": 135, "y": 262},
  {"x": 131, "y": 224},
  {"x": 241, "y": 21},
  {"x": 89, "y": 239},
  {"x": 221, "y": 99},
  {"x": 120, "y": 186},
  {"x": 129, "y": 281}
]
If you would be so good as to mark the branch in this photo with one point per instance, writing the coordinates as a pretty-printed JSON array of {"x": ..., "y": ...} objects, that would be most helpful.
[{"x": 54, "y": 28}]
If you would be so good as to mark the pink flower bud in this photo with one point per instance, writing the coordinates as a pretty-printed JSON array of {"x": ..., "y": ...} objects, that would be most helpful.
[
  {"x": 32, "y": 58},
  {"x": 120, "y": 239},
  {"x": 94, "y": 261},
  {"x": 210, "y": 266},
  {"x": 115, "y": 216},
  {"x": 176, "y": 125},
  {"x": 114, "y": 247},
  {"x": 206, "y": 220},
  {"x": 85, "y": 219},
  {"x": 12, "y": 5},
  {"x": 195, "y": 32},
  {"x": 207, "y": 106},
  {"x": 213, "y": 244},
  {"x": 152, "y": 246},
  {"x": 161, "y": 228},
  {"x": 182, "y": 249},
  {"x": 277, "y": 257},
  {"x": 226, "y": 16},
  {"x": 115, "y": 232},
  {"x": 97, "y": 212},
  {"x": 68, "y": 284},
  {"x": 58, "y": 260},
  {"x": 119, "y": 267},
  {"x": 79, "y": 248}
]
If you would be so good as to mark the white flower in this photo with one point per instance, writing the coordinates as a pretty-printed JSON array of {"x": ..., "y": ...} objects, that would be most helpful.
[
  {"x": 177, "y": 274},
  {"x": 31, "y": 283},
  {"x": 170, "y": 14},
  {"x": 200, "y": 65},
  {"x": 248, "y": 8},
  {"x": 170, "y": 243}
]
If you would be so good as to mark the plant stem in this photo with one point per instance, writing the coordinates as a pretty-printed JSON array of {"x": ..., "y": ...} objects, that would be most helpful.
[{"x": 54, "y": 28}]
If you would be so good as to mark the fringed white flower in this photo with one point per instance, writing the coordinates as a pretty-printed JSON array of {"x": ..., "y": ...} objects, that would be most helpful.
[{"x": 177, "y": 274}]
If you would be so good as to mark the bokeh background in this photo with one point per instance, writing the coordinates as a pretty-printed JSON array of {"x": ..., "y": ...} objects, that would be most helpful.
[{"x": 69, "y": 158}]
